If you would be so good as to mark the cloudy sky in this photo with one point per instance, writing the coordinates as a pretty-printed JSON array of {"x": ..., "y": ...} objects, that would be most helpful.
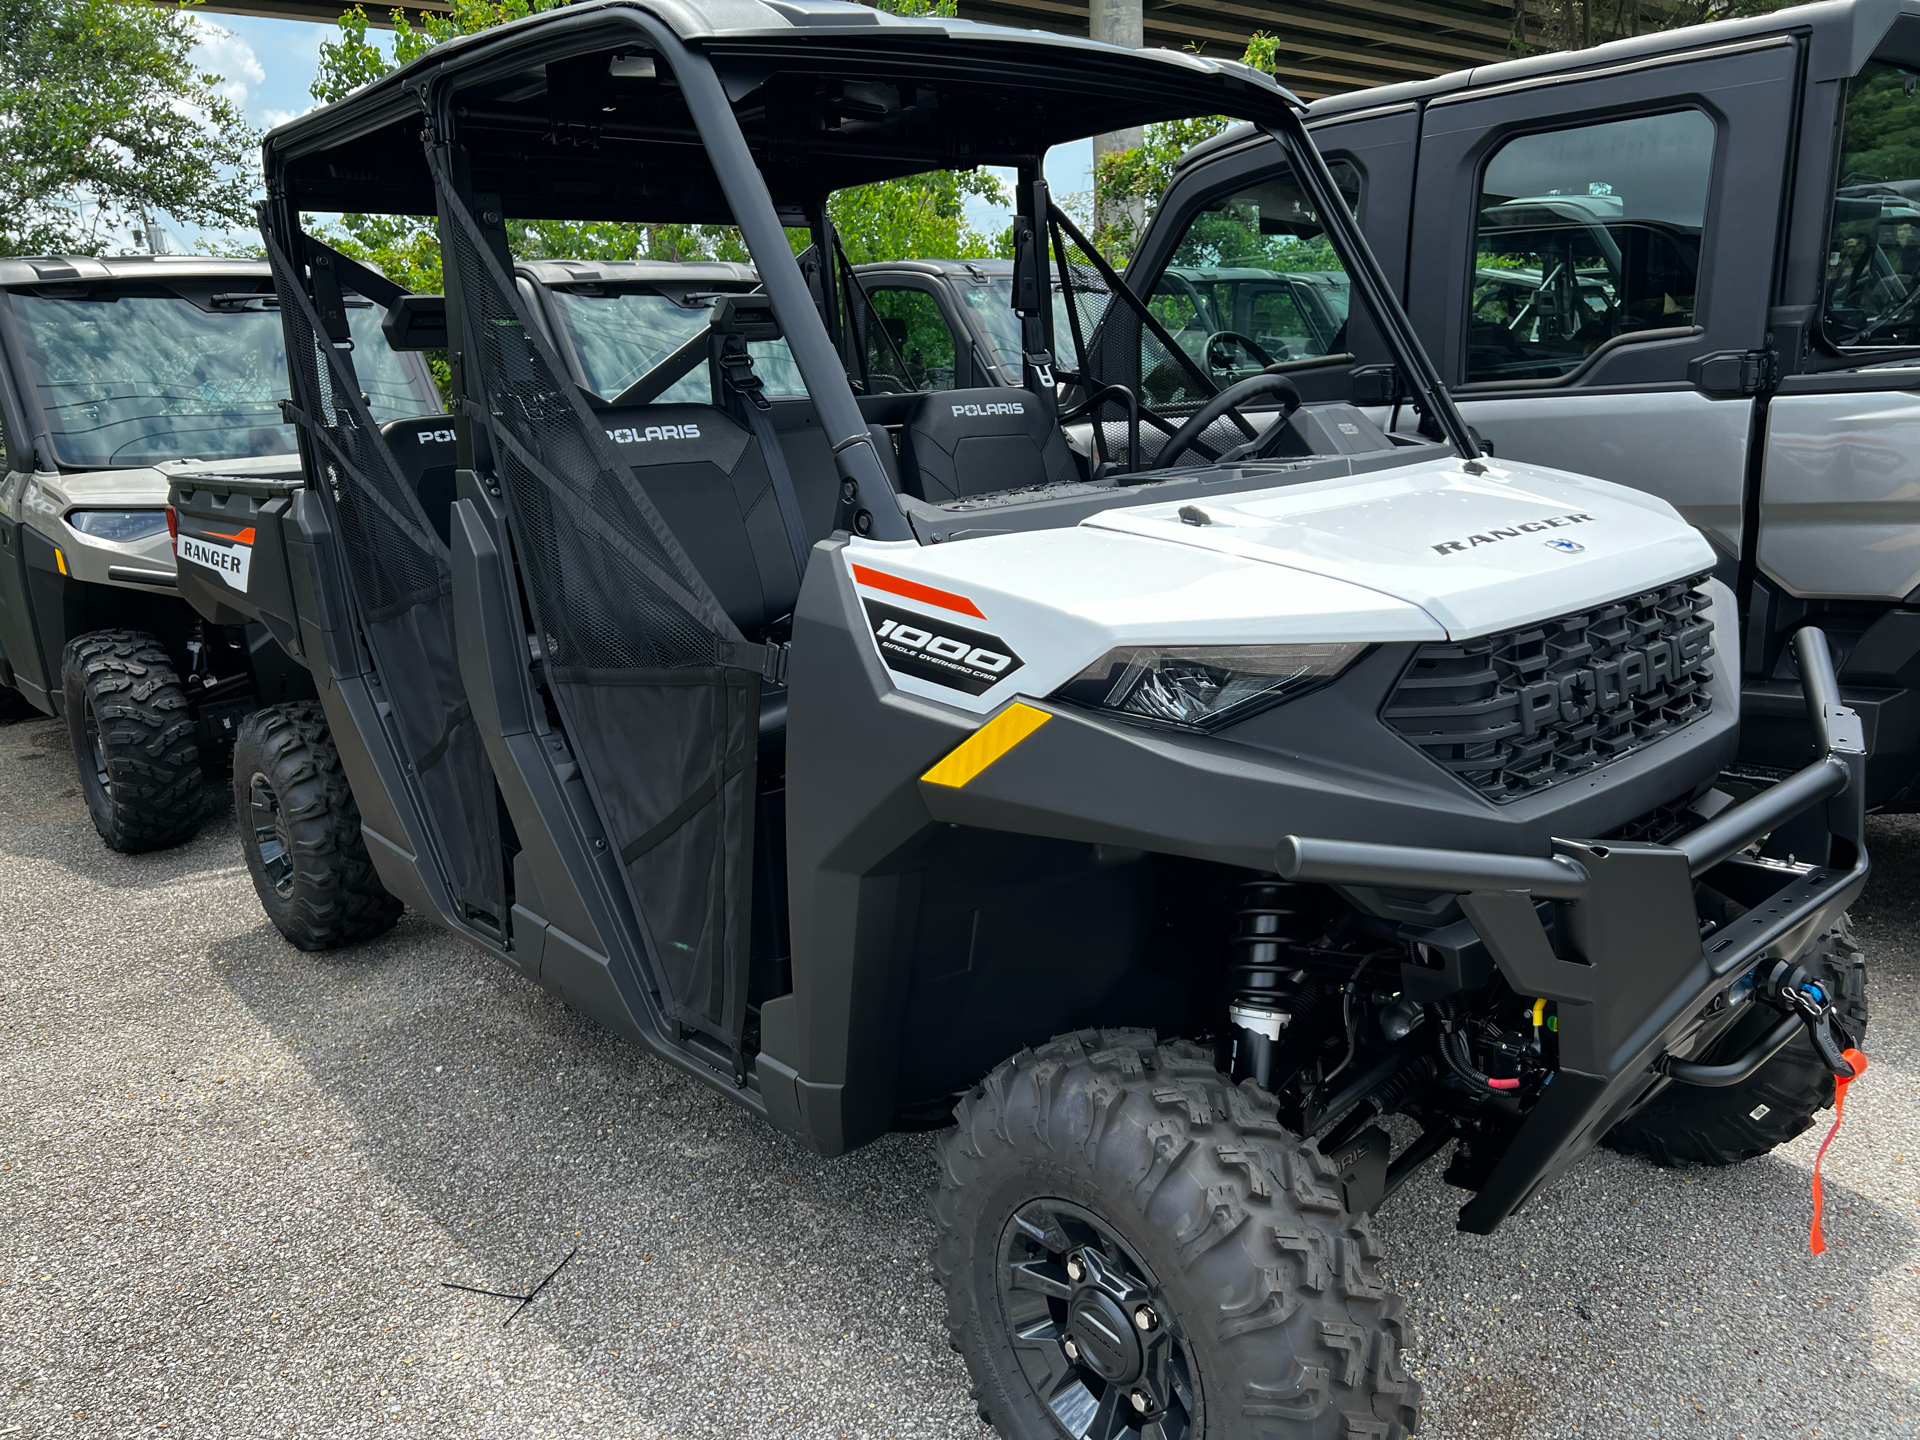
[{"x": 268, "y": 65}]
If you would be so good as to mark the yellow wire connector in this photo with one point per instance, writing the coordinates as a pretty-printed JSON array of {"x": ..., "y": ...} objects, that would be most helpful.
[
  {"x": 986, "y": 745},
  {"x": 1539, "y": 1013}
]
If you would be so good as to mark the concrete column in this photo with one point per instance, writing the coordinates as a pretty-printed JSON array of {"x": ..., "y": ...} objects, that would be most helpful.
[{"x": 1118, "y": 22}]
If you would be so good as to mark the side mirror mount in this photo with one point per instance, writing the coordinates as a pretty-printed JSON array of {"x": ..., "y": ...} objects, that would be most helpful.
[{"x": 416, "y": 322}]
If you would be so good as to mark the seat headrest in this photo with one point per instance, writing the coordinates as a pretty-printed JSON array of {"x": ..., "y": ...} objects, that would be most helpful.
[{"x": 420, "y": 444}]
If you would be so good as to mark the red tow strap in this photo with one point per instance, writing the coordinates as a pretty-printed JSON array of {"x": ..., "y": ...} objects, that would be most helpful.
[{"x": 1815, "y": 1239}]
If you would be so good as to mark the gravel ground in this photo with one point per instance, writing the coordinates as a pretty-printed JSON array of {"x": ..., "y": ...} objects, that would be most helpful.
[{"x": 237, "y": 1178}]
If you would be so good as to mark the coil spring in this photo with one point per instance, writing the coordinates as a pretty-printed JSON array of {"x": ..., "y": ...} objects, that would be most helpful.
[{"x": 1268, "y": 991}]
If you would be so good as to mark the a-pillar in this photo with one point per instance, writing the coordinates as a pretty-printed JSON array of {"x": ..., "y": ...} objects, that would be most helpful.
[{"x": 1118, "y": 23}]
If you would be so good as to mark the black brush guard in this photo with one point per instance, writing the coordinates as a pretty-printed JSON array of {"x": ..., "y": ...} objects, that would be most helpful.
[{"x": 1634, "y": 981}]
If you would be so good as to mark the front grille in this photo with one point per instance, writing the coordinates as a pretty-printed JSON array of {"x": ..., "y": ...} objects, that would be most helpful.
[{"x": 1514, "y": 713}]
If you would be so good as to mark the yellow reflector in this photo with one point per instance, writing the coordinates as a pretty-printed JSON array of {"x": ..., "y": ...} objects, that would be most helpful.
[
  {"x": 60, "y": 559},
  {"x": 987, "y": 744}
]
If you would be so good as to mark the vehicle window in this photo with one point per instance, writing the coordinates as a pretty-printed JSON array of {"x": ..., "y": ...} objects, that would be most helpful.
[
  {"x": 908, "y": 333},
  {"x": 130, "y": 377},
  {"x": 620, "y": 335},
  {"x": 1252, "y": 281},
  {"x": 992, "y": 302},
  {"x": 1873, "y": 255},
  {"x": 992, "y": 305},
  {"x": 1585, "y": 234},
  {"x": 384, "y": 377}
]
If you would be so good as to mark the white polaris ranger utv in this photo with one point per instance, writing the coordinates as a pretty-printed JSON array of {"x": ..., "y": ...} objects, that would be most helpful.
[{"x": 1164, "y": 820}]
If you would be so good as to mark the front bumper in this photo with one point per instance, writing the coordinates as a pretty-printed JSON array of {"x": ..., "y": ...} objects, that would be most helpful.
[{"x": 1635, "y": 982}]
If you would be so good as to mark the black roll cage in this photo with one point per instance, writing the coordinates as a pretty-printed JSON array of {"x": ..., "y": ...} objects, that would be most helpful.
[{"x": 1054, "y": 89}]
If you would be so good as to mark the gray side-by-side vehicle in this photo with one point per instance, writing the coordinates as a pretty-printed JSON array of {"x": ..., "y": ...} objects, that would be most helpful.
[
  {"x": 116, "y": 374},
  {"x": 1153, "y": 817},
  {"x": 1688, "y": 262}
]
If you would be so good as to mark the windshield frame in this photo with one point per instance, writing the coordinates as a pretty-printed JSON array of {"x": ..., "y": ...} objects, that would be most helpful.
[{"x": 41, "y": 443}]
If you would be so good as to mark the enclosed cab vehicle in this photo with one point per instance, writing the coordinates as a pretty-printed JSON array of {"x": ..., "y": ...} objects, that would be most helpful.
[
  {"x": 1157, "y": 822},
  {"x": 950, "y": 324},
  {"x": 1690, "y": 263},
  {"x": 116, "y": 375},
  {"x": 612, "y": 322}
]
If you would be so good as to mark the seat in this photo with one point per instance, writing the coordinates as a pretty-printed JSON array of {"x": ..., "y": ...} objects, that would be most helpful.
[
  {"x": 707, "y": 478},
  {"x": 957, "y": 443},
  {"x": 423, "y": 448}
]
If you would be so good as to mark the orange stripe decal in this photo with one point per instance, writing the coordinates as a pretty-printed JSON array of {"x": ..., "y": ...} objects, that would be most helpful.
[
  {"x": 914, "y": 590},
  {"x": 239, "y": 537}
]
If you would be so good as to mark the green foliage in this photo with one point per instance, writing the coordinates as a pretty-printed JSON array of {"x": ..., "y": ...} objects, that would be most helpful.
[
  {"x": 920, "y": 338},
  {"x": 1142, "y": 175},
  {"x": 1227, "y": 235},
  {"x": 106, "y": 120},
  {"x": 1881, "y": 138},
  {"x": 916, "y": 218}
]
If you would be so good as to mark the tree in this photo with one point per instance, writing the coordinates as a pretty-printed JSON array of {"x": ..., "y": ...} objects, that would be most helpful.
[
  {"x": 1142, "y": 175},
  {"x": 107, "y": 121}
]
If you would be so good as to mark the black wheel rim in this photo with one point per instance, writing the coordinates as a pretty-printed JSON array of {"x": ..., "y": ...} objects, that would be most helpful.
[
  {"x": 96, "y": 751},
  {"x": 270, "y": 836},
  {"x": 1092, "y": 1333}
]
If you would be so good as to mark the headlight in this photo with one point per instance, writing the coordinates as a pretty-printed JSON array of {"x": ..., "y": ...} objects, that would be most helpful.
[
  {"x": 1205, "y": 686},
  {"x": 121, "y": 526}
]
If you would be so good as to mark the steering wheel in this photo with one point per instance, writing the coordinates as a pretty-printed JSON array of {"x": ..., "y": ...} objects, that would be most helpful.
[
  {"x": 1220, "y": 338},
  {"x": 1234, "y": 395}
]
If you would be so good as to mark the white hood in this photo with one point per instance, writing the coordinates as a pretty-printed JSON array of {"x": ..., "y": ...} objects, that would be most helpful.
[
  {"x": 1478, "y": 553},
  {"x": 1427, "y": 552}
]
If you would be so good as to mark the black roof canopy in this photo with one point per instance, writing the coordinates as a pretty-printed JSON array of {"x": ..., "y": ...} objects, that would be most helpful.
[{"x": 573, "y": 114}]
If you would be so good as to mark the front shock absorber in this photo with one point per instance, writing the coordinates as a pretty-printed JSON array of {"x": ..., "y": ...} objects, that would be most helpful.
[{"x": 1269, "y": 995}]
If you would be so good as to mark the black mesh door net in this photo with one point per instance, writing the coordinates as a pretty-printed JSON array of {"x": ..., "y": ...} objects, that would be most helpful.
[
  {"x": 658, "y": 689},
  {"x": 402, "y": 581}
]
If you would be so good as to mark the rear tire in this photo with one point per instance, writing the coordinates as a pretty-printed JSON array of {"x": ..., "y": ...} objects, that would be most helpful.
[
  {"x": 132, "y": 740},
  {"x": 1267, "y": 1313},
  {"x": 300, "y": 830},
  {"x": 1700, "y": 1125}
]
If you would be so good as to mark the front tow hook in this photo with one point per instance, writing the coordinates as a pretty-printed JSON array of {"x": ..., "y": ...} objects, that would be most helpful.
[
  {"x": 1808, "y": 1008},
  {"x": 1810, "y": 1000}
]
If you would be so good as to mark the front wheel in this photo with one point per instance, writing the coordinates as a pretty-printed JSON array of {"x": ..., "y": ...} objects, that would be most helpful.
[
  {"x": 1700, "y": 1125},
  {"x": 1132, "y": 1246},
  {"x": 300, "y": 830},
  {"x": 132, "y": 739}
]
